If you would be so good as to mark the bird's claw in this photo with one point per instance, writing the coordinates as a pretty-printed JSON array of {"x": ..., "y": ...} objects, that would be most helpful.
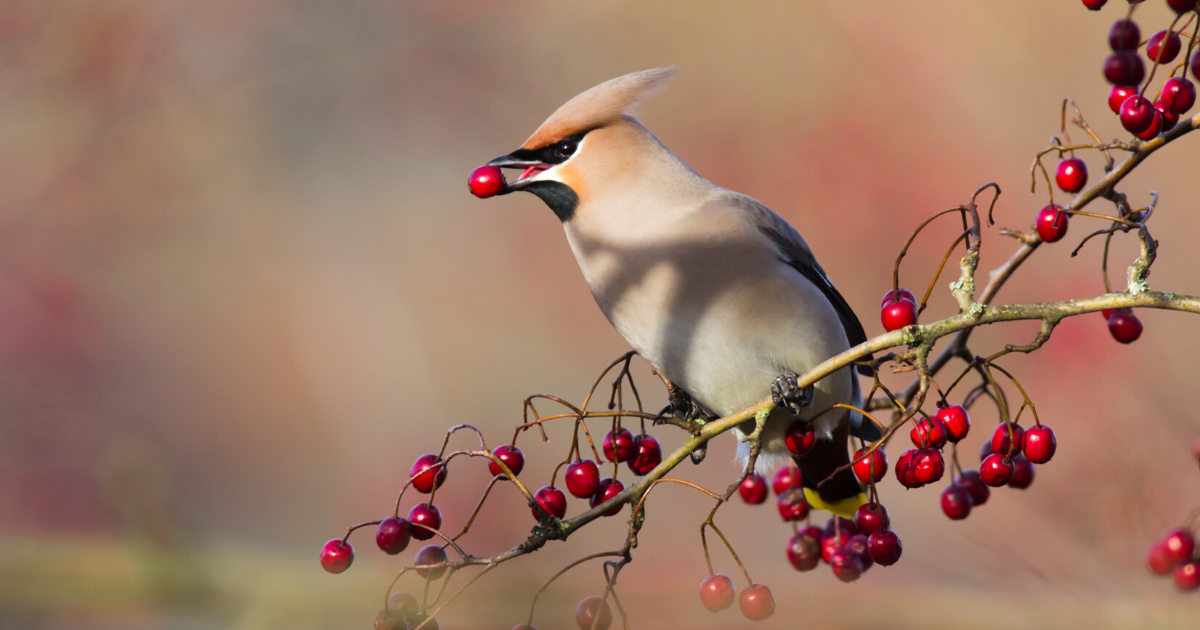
[
  {"x": 786, "y": 393},
  {"x": 681, "y": 405}
]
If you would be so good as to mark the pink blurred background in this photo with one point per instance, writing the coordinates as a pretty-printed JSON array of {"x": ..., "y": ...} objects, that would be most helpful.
[{"x": 243, "y": 286}]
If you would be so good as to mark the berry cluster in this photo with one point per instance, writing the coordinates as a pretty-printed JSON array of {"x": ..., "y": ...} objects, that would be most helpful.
[{"x": 1175, "y": 554}]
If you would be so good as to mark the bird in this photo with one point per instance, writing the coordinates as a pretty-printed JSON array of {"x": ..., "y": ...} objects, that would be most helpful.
[{"x": 713, "y": 288}]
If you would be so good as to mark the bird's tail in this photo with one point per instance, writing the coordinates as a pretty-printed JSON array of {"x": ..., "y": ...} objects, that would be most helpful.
[{"x": 842, "y": 507}]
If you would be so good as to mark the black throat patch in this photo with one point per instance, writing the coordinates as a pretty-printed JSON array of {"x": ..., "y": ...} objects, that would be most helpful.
[{"x": 559, "y": 196}]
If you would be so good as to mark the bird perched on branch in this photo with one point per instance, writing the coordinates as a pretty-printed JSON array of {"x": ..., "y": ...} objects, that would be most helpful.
[{"x": 711, "y": 287}]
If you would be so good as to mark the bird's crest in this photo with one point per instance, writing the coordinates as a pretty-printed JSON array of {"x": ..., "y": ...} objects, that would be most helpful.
[{"x": 599, "y": 106}]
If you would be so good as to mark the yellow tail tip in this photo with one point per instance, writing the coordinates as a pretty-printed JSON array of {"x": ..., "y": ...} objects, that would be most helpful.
[{"x": 844, "y": 508}]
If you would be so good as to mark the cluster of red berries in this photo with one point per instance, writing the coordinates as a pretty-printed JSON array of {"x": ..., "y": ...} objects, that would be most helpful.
[
  {"x": 849, "y": 547},
  {"x": 1176, "y": 555},
  {"x": 756, "y": 601}
]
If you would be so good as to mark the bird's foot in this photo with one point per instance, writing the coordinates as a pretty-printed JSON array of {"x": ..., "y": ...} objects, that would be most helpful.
[
  {"x": 786, "y": 393},
  {"x": 681, "y": 405}
]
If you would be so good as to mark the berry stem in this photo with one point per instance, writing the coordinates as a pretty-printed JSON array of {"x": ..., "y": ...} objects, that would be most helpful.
[
  {"x": 350, "y": 530},
  {"x": 1154, "y": 68}
]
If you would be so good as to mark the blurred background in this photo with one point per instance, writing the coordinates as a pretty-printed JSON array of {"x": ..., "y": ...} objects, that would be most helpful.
[{"x": 243, "y": 286}]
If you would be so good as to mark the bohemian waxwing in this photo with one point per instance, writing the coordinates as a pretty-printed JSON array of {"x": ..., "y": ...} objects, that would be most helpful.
[{"x": 711, "y": 287}]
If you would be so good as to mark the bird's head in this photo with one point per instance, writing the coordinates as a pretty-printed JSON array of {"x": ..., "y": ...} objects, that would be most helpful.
[{"x": 588, "y": 141}]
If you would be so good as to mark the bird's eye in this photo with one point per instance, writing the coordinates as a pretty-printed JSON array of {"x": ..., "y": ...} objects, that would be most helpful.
[{"x": 566, "y": 149}]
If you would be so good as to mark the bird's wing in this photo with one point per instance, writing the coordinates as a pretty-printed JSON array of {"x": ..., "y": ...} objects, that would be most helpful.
[{"x": 795, "y": 252}]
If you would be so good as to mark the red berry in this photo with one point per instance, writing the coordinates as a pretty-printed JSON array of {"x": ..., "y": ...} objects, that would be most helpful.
[
  {"x": 1168, "y": 119},
  {"x": 1094, "y": 5},
  {"x": 1163, "y": 47},
  {"x": 840, "y": 524},
  {"x": 884, "y": 547},
  {"x": 1156, "y": 123},
  {"x": 906, "y": 469},
  {"x": 424, "y": 514},
  {"x": 897, "y": 315},
  {"x": 552, "y": 500},
  {"x": 431, "y": 555},
  {"x": 403, "y": 601},
  {"x": 846, "y": 564},
  {"x": 1007, "y": 439},
  {"x": 1124, "y": 35},
  {"x": 1178, "y": 95},
  {"x": 786, "y": 478},
  {"x": 832, "y": 543},
  {"x": 647, "y": 454},
  {"x": 589, "y": 609},
  {"x": 996, "y": 470},
  {"x": 985, "y": 449},
  {"x": 1182, "y": 6},
  {"x": 870, "y": 518},
  {"x": 859, "y": 545},
  {"x": 1137, "y": 114},
  {"x": 753, "y": 489},
  {"x": 393, "y": 535},
  {"x": 511, "y": 456},
  {"x": 1124, "y": 326},
  {"x": 1071, "y": 175},
  {"x": 957, "y": 422},
  {"x": 1187, "y": 576},
  {"x": 928, "y": 466},
  {"x": 391, "y": 619},
  {"x": 757, "y": 602},
  {"x": 890, "y": 296},
  {"x": 792, "y": 505},
  {"x": 872, "y": 467},
  {"x": 337, "y": 555},
  {"x": 1124, "y": 68},
  {"x": 969, "y": 479},
  {"x": 956, "y": 502},
  {"x": 1039, "y": 444},
  {"x": 427, "y": 473},
  {"x": 717, "y": 592},
  {"x": 928, "y": 433},
  {"x": 1022, "y": 473},
  {"x": 582, "y": 478},
  {"x": 804, "y": 551},
  {"x": 607, "y": 489},
  {"x": 1117, "y": 95},
  {"x": 1178, "y": 546},
  {"x": 486, "y": 181},
  {"x": 618, "y": 447},
  {"x": 1051, "y": 223},
  {"x": 1157, "y": 561},
  {"x": 800, "y": 437}
]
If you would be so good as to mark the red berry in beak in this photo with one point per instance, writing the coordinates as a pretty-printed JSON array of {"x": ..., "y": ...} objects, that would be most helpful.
[
  {"x": 957, "y": 422},
  {"x": 583, "y": 477},
  {"x": 424, "y": 514},
  {"x": 1071, "y": 175},
  {"x": 511, "y": 456},
  {"x": 870, "y": 468},
  {"x": 337, "y": 555},
  {"x": 717, "y": 592},
  {"x": 429, "y": 555},
  {"x": 486, "y": 181},
  {"x": 1052, "y": 223},
  {"x": 1039, "y": 444},
  {"x": 757, "y": 602},
  {"x": 552, "y": 500},
  {"x": 1124, "y": 326},
  {"x": 753, "y": 489}
]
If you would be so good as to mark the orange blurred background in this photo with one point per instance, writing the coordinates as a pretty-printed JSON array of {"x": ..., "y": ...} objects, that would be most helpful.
[{"x": 243, "y": 286}]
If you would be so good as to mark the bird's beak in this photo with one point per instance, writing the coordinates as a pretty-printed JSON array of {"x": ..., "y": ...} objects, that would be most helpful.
[{"x": 531, "y": 169}]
